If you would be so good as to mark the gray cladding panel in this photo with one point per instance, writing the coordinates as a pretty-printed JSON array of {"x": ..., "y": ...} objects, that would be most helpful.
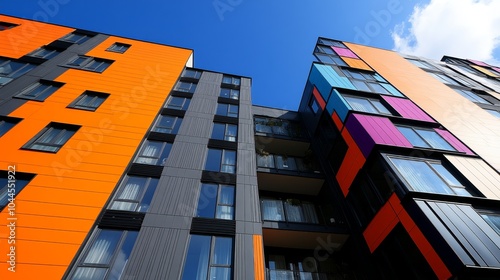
[
  {"x": 175, "y": 196},
  {"x": 187, "y": 155},
  {"x": 247, "y": 203},
  {"x": 158, "y": 254},
  {"x": 243, "y": 257}
]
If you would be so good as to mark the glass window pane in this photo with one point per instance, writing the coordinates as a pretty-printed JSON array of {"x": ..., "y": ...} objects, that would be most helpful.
[
  {"x": 493, "y": 220},
  {"x": 233, "y": 111},
  {"x": 493, "y": 112},
  {"x": 148, "y": 196},
  {"x": 226, "y": 195},
  {"x": 221, "y": 109},
  {"x": 272, "y": 210},
  {"x": 266, "y": 161},
  {"x": 103, "y": 247},
  {"x": 220, "y": 273},
  {"x": 197, "y": 260},
  {"x": 123, "y": 255},
  {"x": 360, "y": 85},
  {"x": 229, "y": 162},
  {"x": 214, "y": 157},
  {"x": 286, "y": 163},
  {"x": 381, "y": 108},
  {"x": 231, "y": 132},
  {"x": 355, "y": 75},
  {"x": 360, "y": 104},
  {"x": 223, "y": 251},
  {"x": 413, "y": 137},
  {"x": 449, "y": 178},
  {"x": 293, "y": 211},
  {"x": 378, "y": 88},
  {"x": 218, "y": 131},
  {"x": 420, "y": 176},
  {"x": 225, "y": 212},
  {"x": 89, "y": 273},
  {"x": 434, "y": 139},
  {"x": 207, "y": 201}
]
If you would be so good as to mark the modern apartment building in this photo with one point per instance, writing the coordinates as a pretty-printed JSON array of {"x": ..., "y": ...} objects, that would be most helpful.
[{"x": 130, "y": 163}]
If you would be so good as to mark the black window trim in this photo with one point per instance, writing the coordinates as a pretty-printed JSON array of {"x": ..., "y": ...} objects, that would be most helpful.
[
  {"x": 73, "y": 105},
  {"x": 57, "y": 125}
]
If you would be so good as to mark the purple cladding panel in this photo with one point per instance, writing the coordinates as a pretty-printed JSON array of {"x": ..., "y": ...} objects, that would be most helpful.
[
  {"x": 459, "y": 146},
  {"x": 496, "y": 69},
  {"x": 369, "y": 130},
  {"x": 345, "y": 52},
  {"x": 407, "y": 109},
  {"x": 477, "y": 62}
]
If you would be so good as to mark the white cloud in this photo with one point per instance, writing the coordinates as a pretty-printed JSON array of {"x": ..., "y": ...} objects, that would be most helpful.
[{"x": 461, "y": 28}]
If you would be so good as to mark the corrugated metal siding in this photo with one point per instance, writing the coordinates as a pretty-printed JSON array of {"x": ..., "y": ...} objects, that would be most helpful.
[
  {"x": 243, "y": 257},
  {"x": 407, "y": 109},
  {"x": 356, "y": 63},
  {"x": 472, "y": 239},
  {"x": 161, "y": 255},
  {"x": 480, "y": 174},
  {"x": 381, "y": 130},
  {"x": 337, "y": 104},
  {"x": 345, "y": 52},
  {"x": 459, "y": 146}
]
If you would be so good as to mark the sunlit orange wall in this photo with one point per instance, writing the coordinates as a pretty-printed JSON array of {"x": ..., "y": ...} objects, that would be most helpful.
[
  {"x": 474, "y": 126},
  {"x": 58, "y": 208},
  {"x": 27, "y": 36}
]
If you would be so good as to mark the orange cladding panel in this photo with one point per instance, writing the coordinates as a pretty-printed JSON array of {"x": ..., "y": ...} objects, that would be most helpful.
[
  {"x": 356, "y": 63},
  {"x": 478, "y": 129},
  {"x": 71, "y": 186},
  {"x": 28, "y": 36},
  {"x": 258, "y": 261},
  {"x": 352, "y": 163}
]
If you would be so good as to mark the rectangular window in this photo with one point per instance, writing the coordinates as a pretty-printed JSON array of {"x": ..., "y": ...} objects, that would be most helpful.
[
  {"x": 221, "y": 161},
  {"x": 52, "y": 137},
  {"x": 186, "y": 87},
  {"x": 154, "y": 153},
  {"x": 493, "y": 219},
  {"x": 228, "y": 110},
  {"x": 76, "y": 38},
  {"x": 313, "y": 105},
  {"x": 135, "y": 194},
  {"x": 11, "y": 184},
  {"x": 167, "y": 124},
  {"x": 332, "y": 43},
  {"x": 178, "y": 103},
  {"x": 471, "y": 96},
  {"x": 425, "y": 138},
  {"x": 89, "y": 100},
  {"x": 209, "y": 257},
  {"x": 89, "y": 63},
  {"x": 6, "y": 25},
  {"x": 45, "y": 53},
  {"x": 229, "y": 80},
  {"x": 265, "y": 160},
  {"x": 429, "y": 176},
  {"x": 422, "y": 64},
  {"x": 223, "y": 131},
  {"x": 330, "y": 59},
  {"x": 39, "y": 91},
  {"x": 444, "y": 79},
  {"x": 6, "y": 123},
  {"x": 291, "y": 210},
  {"x": 216, "y": 202},
  {"x": 230, "y": 93},
  {"x": 325, "y": 50},
  {"x": 118, "y": 47},
  {"x": 9, "y": 69},
  {"x": 370, "y": 82},
  {"x": 105, "y": 255},
  {"x": 367, "y": 105},
  {"x": 191, "y": 73}
]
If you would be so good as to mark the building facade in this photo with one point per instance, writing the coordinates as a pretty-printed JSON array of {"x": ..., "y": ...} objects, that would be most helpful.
[{"x": 122, "y": 161}]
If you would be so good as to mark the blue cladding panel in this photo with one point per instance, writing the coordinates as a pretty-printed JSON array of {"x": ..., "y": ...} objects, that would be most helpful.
[
  {"x": 323, "y": 86},
  {"x": 338, "y": 104},
  {"x": 392, "y": 90},
  {"x": 324, "y": 78}
]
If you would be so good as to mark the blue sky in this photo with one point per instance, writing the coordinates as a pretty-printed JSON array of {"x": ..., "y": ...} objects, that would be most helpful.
[{"x": 270, "y": 41}]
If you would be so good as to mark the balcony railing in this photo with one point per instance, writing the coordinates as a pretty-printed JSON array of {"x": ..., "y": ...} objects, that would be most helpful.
[{"x": 282, "y": 274}]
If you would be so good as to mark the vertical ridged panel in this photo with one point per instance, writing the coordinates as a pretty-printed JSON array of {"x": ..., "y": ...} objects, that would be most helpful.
[
  {"x": 480, "y": 174},
  {"x": 459, "y": 146},
  {"x": 258, "y": 252},
  {"x": 183, "y": 191},
  {"x": 158, "y": 254},
  {"x": 338, "y": 105},
  {"x": 323, "y": 86},
  {"x": 333, "y": 78},
  {"x": 407, "y": 109},
  {"x": 382, "y": 130},
  {"x": 244, "y": 257}
]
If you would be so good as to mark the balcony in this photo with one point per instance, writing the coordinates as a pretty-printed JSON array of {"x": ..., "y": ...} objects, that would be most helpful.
[
  {"x": 280, "y": 136},
  {"x": 288, "y": 174}
]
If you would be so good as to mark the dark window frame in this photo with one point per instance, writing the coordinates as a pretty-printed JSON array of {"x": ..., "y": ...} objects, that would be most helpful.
[
  {"x": 62, "y": 128},
  {"x": 6, "y": 78},
  {"x": 51, "y": 52},
  {"x": 94, "y": 95},
  {"x": 226, "y": 135},
  {"x": 417, "y": 131},
  {"x": 148, "y": 188},
  {"x": 371, "y": 102},
  {"x": 51, "y": 88},
  {"x": 191, "y": 88},
  {"x": 7, "y": 25},
  {"x": 158, "y": 160},
  {"x": 174, "y": 129},
  {"x": 118, "y": 47},
  {"x": 205, "y": 197},
  {"x": 87, "y": 63},
  {"x": 222, "y": 167},
  {"x": 196, "y": 74},
  {"x": 7, "y": 123},
  {"x": 185, "y": 103},
  {"x": 228, "y": 112},
  {"x": 233, "y": 80},
  {"x": 232, "y": 93},
  {"x": 82, "y": 37},
  {"x": 15, "y": 182}
]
